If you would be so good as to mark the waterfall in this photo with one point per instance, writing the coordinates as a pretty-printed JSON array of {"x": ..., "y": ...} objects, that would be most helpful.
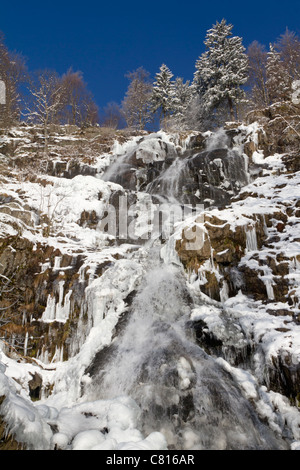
[
  {"x": 217, "y": 140},
  {"x": 169, "y": 183},
  {"x": 181, "y": 391},
  {"x": 153, "y": 361}
]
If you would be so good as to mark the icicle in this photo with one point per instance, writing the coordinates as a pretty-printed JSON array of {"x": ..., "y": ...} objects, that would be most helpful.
[
  {"x": 224, "y": 292},
  {"x": 265, "y": 228},
  {"x": 82, "y": 273},
  {"x": 246, "y": 166},
  {"x": 49, "y": 313},
  {"x": 26, "y": 344},
  {"x": 297, "y": 263},
  {"x": 212, "y": 259},
  {"x": 45, "y": 266},
  {"x": 61, "y": 292},
  {"x": 251, "y": 240},
  {"x": 269, "y": 289},
  {"x": 57, "y": 261},
  {"x": 58, "y": 311},
  {"x": 202, "y": 278},
  {"x": 63, "y": 310},
  {"x": 58, "y": 355},
  {"x": 61, "y": 354},
  {"x": 43, "y": 356},
  {"x": 54, "y": 356}
]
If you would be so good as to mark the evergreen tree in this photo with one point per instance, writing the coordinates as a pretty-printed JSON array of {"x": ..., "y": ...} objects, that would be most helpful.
[
  {"x": 182, "y": 94},
  {"x": 222, "y": 69},
  {"x": 163, "y": 92}
]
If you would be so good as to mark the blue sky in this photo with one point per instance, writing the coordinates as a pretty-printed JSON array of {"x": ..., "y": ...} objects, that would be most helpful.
[{"x": 107, "y": 39}]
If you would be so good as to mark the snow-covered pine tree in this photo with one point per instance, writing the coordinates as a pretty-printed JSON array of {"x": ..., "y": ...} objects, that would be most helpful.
[
  {"x": 277, "y": 83},
  {"x": 163, "y": 92},
  {"x": 182, "y": 96},
  {"x": 222, "y": 69},
  {"x": 180, "y": 100}
]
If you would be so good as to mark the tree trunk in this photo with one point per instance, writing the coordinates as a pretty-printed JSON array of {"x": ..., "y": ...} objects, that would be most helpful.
[{"x": 231, "y": 109}]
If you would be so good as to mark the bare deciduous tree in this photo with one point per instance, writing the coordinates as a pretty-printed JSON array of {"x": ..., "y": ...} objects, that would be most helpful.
[
  {"x": 80, "y": 108},
  {"x": 111, "y": 116},
  {"x": 278, "y": 83},
  {"x": 288, "y": 45},
  {"x": 48, "y": 99},
  {"x": 13, "y": 73},
  {"x": 136, "y": 104},
  {"x": 91, "y": 113},
  {"x": 257, "y": 56}
]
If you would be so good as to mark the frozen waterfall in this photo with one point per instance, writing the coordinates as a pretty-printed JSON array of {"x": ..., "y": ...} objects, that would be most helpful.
[
  {"x": 161, "y": 348},
  {"x": 181, "y": 391}
]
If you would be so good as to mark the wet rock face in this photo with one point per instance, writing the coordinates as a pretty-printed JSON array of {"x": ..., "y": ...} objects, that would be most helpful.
[
  {"x": 252, "y": 284},
  {"x": 281, "y": 373},
  {"x": 192, "y": 175},
  {"x": 209, "y": 177},
  {"x": 292, "y": 162},
  {"x": 219, "y": 175},
  {"x": 284, "y": 377}
]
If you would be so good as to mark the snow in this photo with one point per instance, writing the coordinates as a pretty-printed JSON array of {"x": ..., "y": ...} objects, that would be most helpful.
[
  {"x": 113, "y": 424},
  {"x": 22, "y": 419},
  {"x": 185, "y": 373},
  {"x": 103, "y": 424},
  {"x": 267, "y": 402}
]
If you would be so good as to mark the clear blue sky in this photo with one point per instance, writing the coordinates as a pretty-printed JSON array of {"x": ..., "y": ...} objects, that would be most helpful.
[{"x": 106, "y": 39}]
